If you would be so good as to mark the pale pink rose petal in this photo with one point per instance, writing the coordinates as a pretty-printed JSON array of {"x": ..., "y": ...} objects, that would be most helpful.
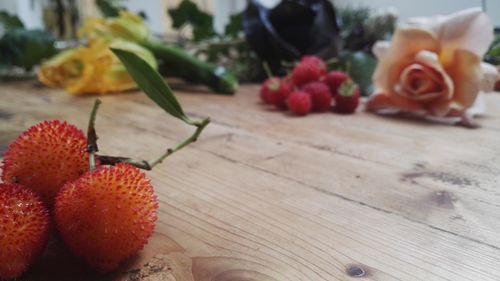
[
  {"x": 490, "y": 77},
  {"x": 406, "y": 43},
  {"x": 469, "y": 29},
  {"x": 431, "y": 60},
  {"x": 464, "y": 69},
  {"x": 420, "y": 83},
  {"x": 381, "y": 48},
  {"x": 381, "y": 103}
]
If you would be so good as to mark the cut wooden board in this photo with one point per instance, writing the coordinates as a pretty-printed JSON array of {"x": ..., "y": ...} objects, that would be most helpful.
[{"x": 266, "y": 196}]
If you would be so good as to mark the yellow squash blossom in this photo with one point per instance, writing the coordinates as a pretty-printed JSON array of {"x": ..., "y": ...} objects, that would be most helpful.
[
  {"x": 127, "y": 26},
  {"x": 93, "y": 69}
]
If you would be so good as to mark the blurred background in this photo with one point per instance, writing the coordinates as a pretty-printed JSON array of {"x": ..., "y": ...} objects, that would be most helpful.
[
  {"x": 31, "y": 11},
  {"x": 218, "y": 43}
]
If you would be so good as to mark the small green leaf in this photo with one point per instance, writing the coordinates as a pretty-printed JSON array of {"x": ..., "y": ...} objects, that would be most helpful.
[
  {"x": 9, "y": 21},
  {"x": 153, "y": 85}
]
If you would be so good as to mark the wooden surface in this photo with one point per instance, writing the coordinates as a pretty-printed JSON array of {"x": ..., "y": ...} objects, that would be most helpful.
[{"x": 266, "y": 196}]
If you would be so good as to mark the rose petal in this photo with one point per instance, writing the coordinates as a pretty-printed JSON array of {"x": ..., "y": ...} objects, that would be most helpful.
[
  {"x": 406, "y": 43},
  {"x": 464, "y": 68},
  {"x": 394, "y": 103},
  {"x": 420, "y": 83},
  {"x": 490, "y": 77},
  {"x": 469, "y": 29},
  {"x": 431, "y": 60},
  {"x": 381, "y": 48}
]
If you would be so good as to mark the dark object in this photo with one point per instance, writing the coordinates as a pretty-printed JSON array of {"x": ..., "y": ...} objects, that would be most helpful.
[
  {"x": 292, "y": 29},
  {"x": 26, "y": 48}
]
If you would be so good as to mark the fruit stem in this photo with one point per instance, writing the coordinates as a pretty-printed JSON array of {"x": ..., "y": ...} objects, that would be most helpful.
[
  {"x": 268, "y": 71},
  {"x": 199, "y": 128},
  {"x": 148, "y": 165},
  {"x": 92, "y": 135}
]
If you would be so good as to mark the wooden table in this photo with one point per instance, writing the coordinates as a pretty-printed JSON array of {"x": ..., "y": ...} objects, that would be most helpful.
[{"x": 266, "y": 196}]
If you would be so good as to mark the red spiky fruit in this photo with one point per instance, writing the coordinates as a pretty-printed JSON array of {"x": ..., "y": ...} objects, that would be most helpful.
[
  {"x": 107, "y": 215},
  {"x": 24, "y": 229},
  {"x": 45, "y": 157}
]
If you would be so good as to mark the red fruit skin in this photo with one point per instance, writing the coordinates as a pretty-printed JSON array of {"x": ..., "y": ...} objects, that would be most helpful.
[
  {"x": 275, "y": 91},
  {"x": 309, "y": 69},
  {"x": 24, "y": 229},
  {"x": 300, "y": 103},
  {"x": 347, "y": 104},
  {"x": 320, "y": 96},
  {"x": 45, "y": 157},
  {"x": 107, "y": 215},
  {"x": 334, "y": 79},
  {"x": 265, "y": 89}
]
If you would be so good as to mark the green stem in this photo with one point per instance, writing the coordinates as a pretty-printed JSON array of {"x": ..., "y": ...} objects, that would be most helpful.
[
  {"x": 176, "y": 62},
  {"x": 148, "y": 165},
  {"x": 92, "y": 136},
  {"x": 268, "y": 71},
  {"x": 199, "y": 128}
]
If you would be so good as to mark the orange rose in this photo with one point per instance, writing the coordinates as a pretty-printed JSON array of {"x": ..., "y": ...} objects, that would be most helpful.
[{"x": 433, "y": 67}]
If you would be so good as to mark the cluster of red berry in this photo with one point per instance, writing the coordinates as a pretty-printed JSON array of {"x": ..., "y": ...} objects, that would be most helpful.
[
  {"x": 310, "y": 87},
  {"x": 104, "y": 216}
]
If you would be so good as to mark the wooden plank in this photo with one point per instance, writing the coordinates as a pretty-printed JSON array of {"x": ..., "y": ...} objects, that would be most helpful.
[{"x": 257, "y": 200}]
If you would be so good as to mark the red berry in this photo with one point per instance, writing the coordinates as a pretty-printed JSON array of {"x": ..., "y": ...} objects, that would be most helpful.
[
  {"x": 334, "y": 79},
  {"x": 268, "y": 85},
  {"x": 45, "y": 157},
  {"x": 107, "y": 215},
  {"x": 275, "y": 91},
  {"x": 347, "y": 98},
  {"x": 299, "y": 103},
  {"x": 24, "y": 229},
  {"x": 309, "y": 69},
  {"x": 320, "y": 95}
]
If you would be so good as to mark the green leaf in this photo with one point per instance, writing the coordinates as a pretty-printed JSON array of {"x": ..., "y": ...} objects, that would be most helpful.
[
  {"x": 109, "y": 8},
  {"x": 9, "y": 21},
  {"x": 187, "y": 13},
  {"x": 361, "y": 66},
  {"x": 235, "y": 25},
  {"x": 151, "y": 82}
]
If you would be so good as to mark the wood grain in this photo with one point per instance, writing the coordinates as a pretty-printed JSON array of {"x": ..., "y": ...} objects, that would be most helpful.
[{"x": 267, "y": 196}]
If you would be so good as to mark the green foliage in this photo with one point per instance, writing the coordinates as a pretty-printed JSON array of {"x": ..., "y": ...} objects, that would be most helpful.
[
  {"x": 229, "y": 50},
  {"x": 188, "y": 14},
  {"x": 235, "y": 26},
  {"x": 9, "y": 21},
  {"x": 493, "y": 54},
  {"x": 26, "y": 48},
  {"x": 360, "y": 27}
]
